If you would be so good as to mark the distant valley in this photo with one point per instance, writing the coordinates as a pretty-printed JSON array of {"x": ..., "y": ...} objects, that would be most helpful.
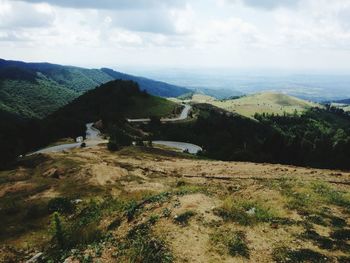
[{"x": 314, "y": 86}]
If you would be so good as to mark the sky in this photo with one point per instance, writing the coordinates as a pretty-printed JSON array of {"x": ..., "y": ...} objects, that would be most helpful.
[{"x": 239, "y": 34}]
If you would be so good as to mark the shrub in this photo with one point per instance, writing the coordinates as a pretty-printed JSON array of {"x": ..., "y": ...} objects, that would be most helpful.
[
  {"x": 141, "y": 246},
  {"x": 237, "y": 245},
  {"x": 183, "y": 218},
  {"x": 57, "y": 229},
  {"x": 131, "y": 210}
]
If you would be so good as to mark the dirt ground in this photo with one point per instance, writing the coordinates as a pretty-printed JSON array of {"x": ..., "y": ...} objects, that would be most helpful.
[{"x": 272, "y": 205}]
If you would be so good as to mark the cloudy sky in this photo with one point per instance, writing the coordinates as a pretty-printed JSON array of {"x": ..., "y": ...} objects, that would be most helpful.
[{"x": 283, "y": 34}]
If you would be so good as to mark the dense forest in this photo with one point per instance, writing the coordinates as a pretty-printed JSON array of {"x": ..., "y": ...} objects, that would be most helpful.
[{"x": 318, "y": 137}]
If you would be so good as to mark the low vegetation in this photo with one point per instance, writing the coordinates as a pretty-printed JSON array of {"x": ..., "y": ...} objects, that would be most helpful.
[
  {"x": 167, "y": 207},
  {"x": 245, "y": 212}
]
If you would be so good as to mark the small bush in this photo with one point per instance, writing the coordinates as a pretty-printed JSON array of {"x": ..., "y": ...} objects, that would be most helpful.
[
  {"x": 57, "y": 230},
  {"x": 131, "y": 210},
  {"x": 115, "y": 224},
  {"x": 237, "y": 245},
  {"x": 232, "y": 242},
  {"x": 153, "y": 219},
  {"x": 141, "y": 246},
  {"x": 183, "y": 218}
]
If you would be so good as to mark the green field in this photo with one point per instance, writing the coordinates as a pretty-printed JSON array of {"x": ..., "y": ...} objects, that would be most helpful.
[{"x": 267, "y": 102}]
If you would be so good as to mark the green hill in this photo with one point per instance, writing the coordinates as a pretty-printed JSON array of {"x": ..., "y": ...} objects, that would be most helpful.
[
  {"x": 267, "y": 102},
  {"x": 34, "y": 90},
  {"x": 115, "y": 100},
  {"x": 111, "y": 102}
]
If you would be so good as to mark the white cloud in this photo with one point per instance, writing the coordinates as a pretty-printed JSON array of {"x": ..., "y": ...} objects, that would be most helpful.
[
  {"x": 221, "y": 32},
  {"x": 111, "y": 4},
  {"x": 22, "y": 15}
]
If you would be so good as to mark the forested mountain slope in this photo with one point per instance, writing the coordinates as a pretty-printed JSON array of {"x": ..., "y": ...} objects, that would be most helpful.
[
  {"x": 33, "y": 90},
  {"x": 111, "y": 102}
]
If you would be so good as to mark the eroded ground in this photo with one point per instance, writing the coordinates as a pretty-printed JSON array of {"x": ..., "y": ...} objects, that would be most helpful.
[{"x": 151, "y": 205}]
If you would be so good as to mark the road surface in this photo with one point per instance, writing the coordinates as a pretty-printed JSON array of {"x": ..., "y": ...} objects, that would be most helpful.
[
  {"x": 181, "y": 117},
  {"x": 192, "y": 148},
  {"x": 92, "y": 138}
]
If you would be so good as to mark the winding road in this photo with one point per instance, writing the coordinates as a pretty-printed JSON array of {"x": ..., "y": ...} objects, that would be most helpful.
[
  {"x": 93, "y": 137},
  {"x": 181, "y": 117}
]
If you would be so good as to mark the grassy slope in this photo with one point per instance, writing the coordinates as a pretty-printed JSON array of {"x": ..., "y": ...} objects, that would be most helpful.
[
  {"x": 266, "y": 102},
  {"x": 140, "y": 205},
  {"x": 153, "y": 106}
]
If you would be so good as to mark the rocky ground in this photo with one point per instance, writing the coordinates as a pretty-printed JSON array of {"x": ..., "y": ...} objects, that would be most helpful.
[{"x": 154, "y": 205}]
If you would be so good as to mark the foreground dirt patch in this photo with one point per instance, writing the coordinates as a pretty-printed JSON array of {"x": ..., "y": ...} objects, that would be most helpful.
[{"x": 191, "y": 210}]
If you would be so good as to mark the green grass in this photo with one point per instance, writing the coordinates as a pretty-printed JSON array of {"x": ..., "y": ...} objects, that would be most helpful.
[
  {"x": 310, "y": 197},
  {"x": 245, "y": 212},
  {"x": 140, "y": 245},
  {"x": 152, "y": 106},
  {"x": 332, "y": 196}
]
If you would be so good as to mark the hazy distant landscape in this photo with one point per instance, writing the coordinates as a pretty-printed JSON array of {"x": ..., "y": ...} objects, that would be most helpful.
[{"x": 307, "y": 85}]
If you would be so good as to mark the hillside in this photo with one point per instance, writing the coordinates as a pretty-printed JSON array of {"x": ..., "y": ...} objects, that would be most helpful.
[
  {"x": 112, "y": 102},
  {"x": 34, "y": 90},
  {"x": 148, "y": 205},
  {"x": 266, "y": 102}
]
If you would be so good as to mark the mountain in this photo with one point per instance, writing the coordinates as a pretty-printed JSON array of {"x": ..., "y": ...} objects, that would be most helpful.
[
  {"x": 33, "y": 90},
  {"x": 111, "y": 102},
  {"x": 266, "y": 102},
  {"x": 115, "y": 100},
  {"x": 346, "y": 101},
  {"x": 156, "y": 88}
]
